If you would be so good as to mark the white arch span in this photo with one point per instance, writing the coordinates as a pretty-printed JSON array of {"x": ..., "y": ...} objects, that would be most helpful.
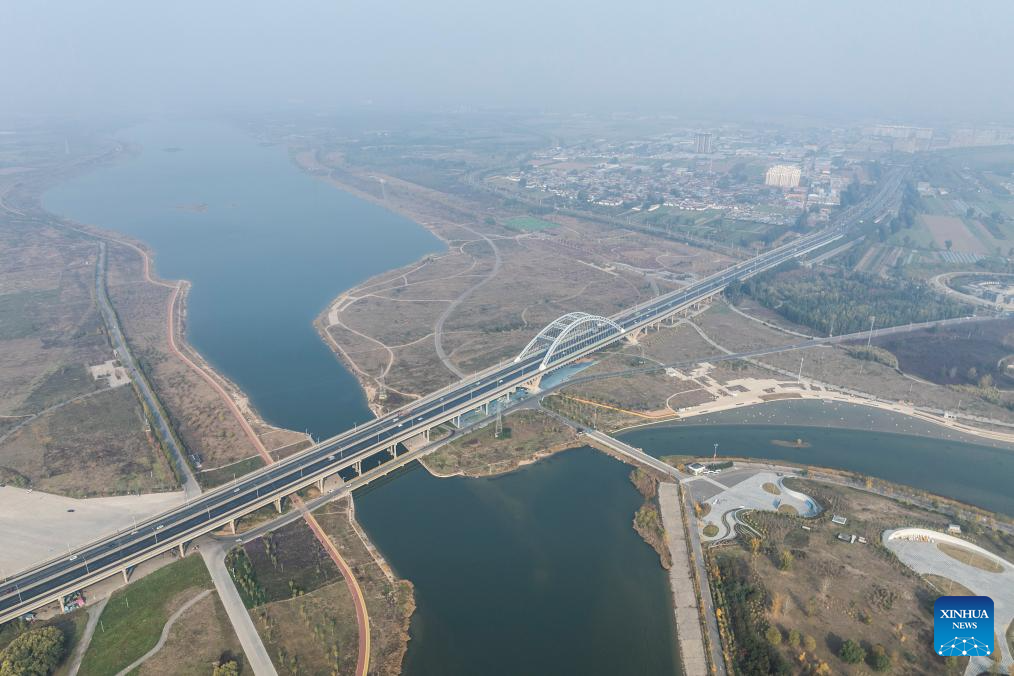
[{"x": 565, "y": 331}]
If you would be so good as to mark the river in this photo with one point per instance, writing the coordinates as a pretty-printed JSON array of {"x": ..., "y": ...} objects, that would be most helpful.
[
  {"x": 856, "y": 438},
  {"x": 538, "y": 571}
]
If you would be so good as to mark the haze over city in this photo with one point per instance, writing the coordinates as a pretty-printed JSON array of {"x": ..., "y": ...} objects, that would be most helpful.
[{"x": 908, "y": 60}]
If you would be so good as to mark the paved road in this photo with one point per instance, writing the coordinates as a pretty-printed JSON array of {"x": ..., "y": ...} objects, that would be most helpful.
[
  {"x": 40, "y": 585},
  {"x": 126, "y": 357},
  {"x": 256, "y": 654}
]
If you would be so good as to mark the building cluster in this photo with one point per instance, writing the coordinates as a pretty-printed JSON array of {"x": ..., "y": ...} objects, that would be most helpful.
[{"x": 762, "y": 176}]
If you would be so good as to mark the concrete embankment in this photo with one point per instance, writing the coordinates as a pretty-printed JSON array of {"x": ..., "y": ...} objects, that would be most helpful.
[{"x": 688, "y": 624}]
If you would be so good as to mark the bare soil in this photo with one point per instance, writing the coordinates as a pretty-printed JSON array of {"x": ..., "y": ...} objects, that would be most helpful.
[{"x": 528, "y": 436}]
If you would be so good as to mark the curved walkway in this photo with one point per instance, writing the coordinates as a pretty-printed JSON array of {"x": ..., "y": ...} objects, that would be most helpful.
[
  {"x": 165, "y": 633},
  {"x": 917, "y": 548}
]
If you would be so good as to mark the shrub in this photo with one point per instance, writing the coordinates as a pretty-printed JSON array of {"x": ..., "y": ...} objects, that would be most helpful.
[
  {"x": 879, "y": 659},
  {"x": 851, "y": 652},
  {"x": 773, "y": 635}
]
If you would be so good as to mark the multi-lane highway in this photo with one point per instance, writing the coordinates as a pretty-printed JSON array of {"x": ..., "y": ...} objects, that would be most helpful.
[{"x": 46, "y": 582}]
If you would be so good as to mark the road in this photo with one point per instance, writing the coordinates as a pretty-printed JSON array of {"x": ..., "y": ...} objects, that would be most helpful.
[
  {"x": 253, "y": 647},
  {"x": 44, "y": 583},
  {"x": 126, "y": 357}
]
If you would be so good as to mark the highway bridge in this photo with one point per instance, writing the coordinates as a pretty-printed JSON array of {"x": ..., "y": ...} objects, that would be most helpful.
[{"x": 567, "y": 339}]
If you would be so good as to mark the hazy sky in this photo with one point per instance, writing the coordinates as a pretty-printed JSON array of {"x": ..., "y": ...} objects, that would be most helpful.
[{"x": 890, "y": 59}]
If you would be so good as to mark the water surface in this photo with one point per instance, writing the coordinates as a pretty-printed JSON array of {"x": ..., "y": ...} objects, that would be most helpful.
[
  {"x": 266, "y": 248},
  {"x": 849, "y": 437},
  {"x": 534, "y": 572}
]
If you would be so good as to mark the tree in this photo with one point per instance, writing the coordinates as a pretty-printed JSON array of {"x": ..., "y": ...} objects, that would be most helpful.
[
  {"x": 851, "y": 652},
  {"x": 793, "y": 638},
  {"x": 785, "y": 560},
  {"x": 229, "y": 668},
  {"x": 755, "y": 544},
  {"x": 809, "y": 643},
  {"x": 34, "y": 653},
  {"x": 773, "y": 635},
  {"x": 879, "y": 659},
  {"x": 948, "y": 243}
]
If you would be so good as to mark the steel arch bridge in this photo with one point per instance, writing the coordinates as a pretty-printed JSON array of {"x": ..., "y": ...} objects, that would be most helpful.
[{"x": 568, "y": 333}]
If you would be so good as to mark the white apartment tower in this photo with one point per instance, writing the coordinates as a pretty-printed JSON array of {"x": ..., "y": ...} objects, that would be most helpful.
[{"x": 782, "y": 176}]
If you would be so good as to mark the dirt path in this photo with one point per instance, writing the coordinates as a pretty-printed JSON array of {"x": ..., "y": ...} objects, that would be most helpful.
[
  {"x": 44, "y": 411},
  {"x": 438, "y": 327},
  {"x": 94, "y": 613},
  {"x": 165, "y": 633}
]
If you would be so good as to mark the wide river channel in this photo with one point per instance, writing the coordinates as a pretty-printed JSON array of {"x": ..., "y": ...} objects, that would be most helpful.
[
  {"x": 538, "y": 571},
  {"x": 534, "y": 572}
]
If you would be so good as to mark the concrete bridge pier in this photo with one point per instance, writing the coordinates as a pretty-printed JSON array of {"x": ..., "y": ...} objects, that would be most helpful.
[
  {"x": 126, "y": 576},
  {"x": 183, "y": 549},
  {"x": 358, "y": 467},
  {"x": 320, "y": 485},
  {"x": 278, "y": 505},
  {"x": 232, "y": 526}
]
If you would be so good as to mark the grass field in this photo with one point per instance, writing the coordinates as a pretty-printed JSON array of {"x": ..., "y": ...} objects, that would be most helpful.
[
  {"x": 528, "y": 224},
  {"x": 132, "y": 621}
]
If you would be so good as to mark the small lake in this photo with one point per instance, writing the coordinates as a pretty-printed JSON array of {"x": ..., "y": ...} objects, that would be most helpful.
[{"x": 850, "y": 437}]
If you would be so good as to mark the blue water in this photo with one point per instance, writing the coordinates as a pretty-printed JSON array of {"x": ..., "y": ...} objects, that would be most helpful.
[
  {"x": 855, "y": 438},
  {"x": 536, "y": 572},
  {"x": 273, "y": 247}
]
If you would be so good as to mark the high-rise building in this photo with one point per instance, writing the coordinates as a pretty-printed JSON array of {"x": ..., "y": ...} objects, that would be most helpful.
[
  {"x": 782, "y": 176},
  {"x": 703, "y": 142}
]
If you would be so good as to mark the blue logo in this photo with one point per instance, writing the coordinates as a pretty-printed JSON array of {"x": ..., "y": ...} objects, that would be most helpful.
[{"x": 963, "y": 625}]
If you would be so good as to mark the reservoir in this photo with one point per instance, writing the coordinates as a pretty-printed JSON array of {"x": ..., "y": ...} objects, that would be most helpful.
[
  {"x": 538, "y": 571},
  {"x": 855, "y": 438}
]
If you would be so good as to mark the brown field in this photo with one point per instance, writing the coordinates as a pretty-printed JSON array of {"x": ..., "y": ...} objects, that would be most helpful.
[
  {"x": 952, "y": 228},
  {"x": 199, "y": 639},
  {"x": 94, "y": 446},
  {"x": 577, "y": 266},
  {"x": 529, "y": 435},
  {"x": 835, "y": 591},
  {"x": 305, "y": 614},
  {"x": 969, "y": 557}
]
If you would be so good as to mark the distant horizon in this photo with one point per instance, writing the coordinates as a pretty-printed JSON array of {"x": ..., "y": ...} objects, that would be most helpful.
[{"x": 927, "y": 62}]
